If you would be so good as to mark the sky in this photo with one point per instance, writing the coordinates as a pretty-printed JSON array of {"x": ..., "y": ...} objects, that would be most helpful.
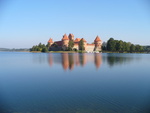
[{"x": 24, "y": 23}]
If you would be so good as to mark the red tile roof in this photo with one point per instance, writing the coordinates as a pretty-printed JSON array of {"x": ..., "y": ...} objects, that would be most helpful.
[
  {"x": 65, "y": 37},
  {"x": 77, "y": 40},
  {"x": 71, "y": 35},
  {"x": 97, "y": 39},
  {"x": 59, "y": 43},
  {"x": 90, "y": 44},
  {"x": 50, "y": 40}
]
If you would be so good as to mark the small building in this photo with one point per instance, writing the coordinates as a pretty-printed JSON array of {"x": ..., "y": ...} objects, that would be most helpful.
[{"x": 63, "y": 44}]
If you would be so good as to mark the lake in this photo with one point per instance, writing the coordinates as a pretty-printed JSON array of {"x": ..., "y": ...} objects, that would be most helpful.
[{"x": 74, "y": 83}]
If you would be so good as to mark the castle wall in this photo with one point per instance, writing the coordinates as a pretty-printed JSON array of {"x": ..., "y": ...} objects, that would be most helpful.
[
  {"x": 59, "y": 48},
  {"x": 76, "y": 46},
  {"x": 90, "y": 48},
  {"x": 97, "y": 48}
]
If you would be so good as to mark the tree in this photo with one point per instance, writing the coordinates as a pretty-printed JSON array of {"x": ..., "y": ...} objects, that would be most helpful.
[
  {"x": 141, "y": 48},
  {"x": 104, "y": 46},
  {"x": 132, "y": 48},
  {"x": 81, "y": 45},
  {"x": 44, "y": 49},
  {"x": 111, "y": 45},
  {"x": 137, "y": 48},
  {"x": 128, "y": 44},
  {"x": 70, "y": 45},
  {"x": 39, "y": 47},
  {"x": 119, "y": 45}
]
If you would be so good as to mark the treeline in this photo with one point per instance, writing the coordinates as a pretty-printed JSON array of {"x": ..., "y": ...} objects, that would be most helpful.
[
  {"x": 146, "y": 48},
  {"x": 7, "y": 49},
  {"x": 122, "y": 46},
  {"x": 40, "y": 47}
]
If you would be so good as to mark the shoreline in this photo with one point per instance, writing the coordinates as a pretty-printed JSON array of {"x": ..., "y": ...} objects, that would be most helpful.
[{"x": 75, "y": 52}]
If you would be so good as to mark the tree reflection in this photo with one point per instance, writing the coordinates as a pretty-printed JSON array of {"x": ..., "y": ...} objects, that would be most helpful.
[
  {"x": 82, "y": 59},
  {"x": 118, "y": 59}
]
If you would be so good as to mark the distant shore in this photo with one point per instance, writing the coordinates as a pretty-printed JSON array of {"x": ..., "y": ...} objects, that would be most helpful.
[
  {"x": 72, "y": 52},
  {"x": 55, "y": 52},
  {"x": 82, "y": 52}
]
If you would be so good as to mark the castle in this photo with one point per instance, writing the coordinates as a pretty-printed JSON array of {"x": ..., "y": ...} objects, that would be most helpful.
[{"x": 63, "y": 44}]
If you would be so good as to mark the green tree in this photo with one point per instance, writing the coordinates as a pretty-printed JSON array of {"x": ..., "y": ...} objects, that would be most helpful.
[
  {"x": 119, "y": 45},
  {"x": 132, "y": 48},
  {"x": 111, "y": 45},
  {"x": 44, "y": 49},
  {"x": 48, "y": 45},
  {"x": 39, "y": 47},
  {"x": 70, "y": 45},
  {"x": 81, "y": 45},
  {"x": 137, "y": 48},
  {"x": 104, "y": 46},
  {"x": 128, "y": 44}
]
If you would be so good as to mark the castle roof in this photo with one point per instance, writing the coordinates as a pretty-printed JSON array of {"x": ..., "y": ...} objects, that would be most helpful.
[
  {"x": 90, "y": 44},
  {"x": 50, "y": 40},
  {"x": 65, "y": 37},
  {"x": 59, "y": 43},
  {"x": 97, "y": 39},
  {"x": 77, "y": 40},
  {"x": 71, "y": 35}
]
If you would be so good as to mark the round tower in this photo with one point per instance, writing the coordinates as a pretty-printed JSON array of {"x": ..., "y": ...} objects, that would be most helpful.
[
  {"x": 50, "y": 42},
  {"x": 65, "y": 41},
  {"x": 98, "y": 43},
  {"x": 71, "y": 37}
]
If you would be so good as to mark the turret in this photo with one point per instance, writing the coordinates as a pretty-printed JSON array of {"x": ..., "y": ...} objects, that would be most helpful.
[
  {"x": 65, "y": 41},
  {"x": 98, "y": 43},
  {"x": 71, "y": 37},
  {"x": 50, "y": 42}
]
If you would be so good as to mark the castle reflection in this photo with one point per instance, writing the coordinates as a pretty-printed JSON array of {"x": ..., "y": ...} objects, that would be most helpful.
[{"x": 72, "y": 60}]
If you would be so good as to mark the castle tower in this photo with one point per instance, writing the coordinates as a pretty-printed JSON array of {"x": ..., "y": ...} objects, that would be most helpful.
[
  {"x": 71, "y": 37},
  {"x": 50, "y": 42},
  {"x": 98, "y": 44},
  {"x": 65, "y": 41}
]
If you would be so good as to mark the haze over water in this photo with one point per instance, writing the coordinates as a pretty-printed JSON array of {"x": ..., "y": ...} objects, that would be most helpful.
[{"x": 74, "y": 83}]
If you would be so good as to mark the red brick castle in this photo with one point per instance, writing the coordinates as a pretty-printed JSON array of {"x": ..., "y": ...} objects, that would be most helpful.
[{"x": 63, "y": 44}]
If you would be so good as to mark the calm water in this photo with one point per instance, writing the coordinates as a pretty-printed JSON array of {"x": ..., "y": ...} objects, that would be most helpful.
[{"x": 74, "y": 83}]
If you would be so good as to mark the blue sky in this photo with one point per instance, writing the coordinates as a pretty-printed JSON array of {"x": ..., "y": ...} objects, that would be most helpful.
[{"x": 24, "y": 23}]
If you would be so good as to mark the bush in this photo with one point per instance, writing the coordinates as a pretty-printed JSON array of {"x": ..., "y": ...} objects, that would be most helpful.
[{"x": 44, "y": 49}]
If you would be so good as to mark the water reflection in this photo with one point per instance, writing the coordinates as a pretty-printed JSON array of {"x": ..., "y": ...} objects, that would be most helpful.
[
  {"x": 69, "y": 61},
  {"x": 50, "y": 59},
  {"x": 72, "y": 60},
  {"x": 97, "y": 60},
  {"x": 119, "y": 59},
  {"x": 33, "y": 83}
]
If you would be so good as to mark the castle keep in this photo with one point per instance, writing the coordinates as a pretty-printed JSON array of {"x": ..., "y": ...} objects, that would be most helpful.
[{"x": 63, "y": 44}]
